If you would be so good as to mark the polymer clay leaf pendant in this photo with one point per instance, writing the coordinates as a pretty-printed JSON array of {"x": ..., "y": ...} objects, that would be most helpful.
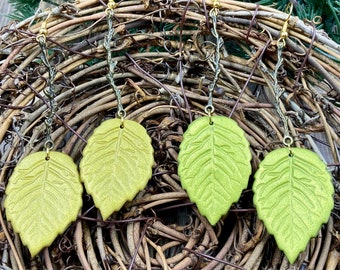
[
  {"x": 293, "y": 196},
  {"x": 214, "y": 164},
  {"x": 43, "y": 197},
  {"x": 116, "y": 164}
]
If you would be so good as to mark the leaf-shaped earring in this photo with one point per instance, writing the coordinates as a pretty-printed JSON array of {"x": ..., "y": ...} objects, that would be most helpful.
[
  {"x": 292, "y": 188},
  {"x": 44, "y": 193},
  {"x": 214, "y": 158},
  {"x": 117, "y": 160}
]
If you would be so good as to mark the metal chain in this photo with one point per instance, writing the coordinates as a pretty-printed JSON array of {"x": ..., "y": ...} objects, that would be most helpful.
[
  {"x": 49, "y": 90},
  {"x": 278, "y": 90},
  {"x": 281, "y": 43},
  {"x": 112, "y": 64},
  {"x": 209, "y": 109}
]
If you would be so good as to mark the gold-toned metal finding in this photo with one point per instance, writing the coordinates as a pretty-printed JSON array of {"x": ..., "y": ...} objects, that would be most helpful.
[
  {"x": 47, "y": 149},
  {"x": 209, "y": 111},
  {"x": 216, "y": 4},
  {"x": 122, "y": 118},
  {"x": 215, "y": 10},
  {"x": 111, "y": 5},
  {"x": 43, "y": 32},
  {"x": 284, "y": 31},
  {"x": 288, "y": 140}
]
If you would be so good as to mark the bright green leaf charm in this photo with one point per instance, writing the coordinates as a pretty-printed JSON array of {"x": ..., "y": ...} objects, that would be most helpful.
[
  {"x": 117, "y": 163},
  {"x": 214, "y": 164},
  {"x": 43, "y": 198},
  {"x": 293, "y": 197}
]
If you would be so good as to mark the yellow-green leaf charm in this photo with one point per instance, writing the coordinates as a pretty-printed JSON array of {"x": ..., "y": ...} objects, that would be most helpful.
[
  {"x": 117, "y": 163},
  {"x": 214, "y": 164},
  {"x": 293, "y": 196},
  {"x": 43, "y": 197}
]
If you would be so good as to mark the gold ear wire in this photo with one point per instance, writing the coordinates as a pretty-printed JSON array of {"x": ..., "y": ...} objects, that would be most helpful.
[
  {"x": 43, "y": 32},
  {"x": 289, "y": 9},
  {"x": 284, "y": 31},
  {"x": 111, "y": 5},
  {"x": 216, "y": 4}
]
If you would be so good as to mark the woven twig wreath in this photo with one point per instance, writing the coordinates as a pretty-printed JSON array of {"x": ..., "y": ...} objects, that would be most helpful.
[{"x": 161, "y": 48}]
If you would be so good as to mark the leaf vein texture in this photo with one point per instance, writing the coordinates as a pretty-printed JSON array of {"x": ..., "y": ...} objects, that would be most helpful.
[
  {"x": 113, "y": 171},
  {"x": 287, "y": 200},
  {"x": 43, "y": 198},
  {"x": 214, "y": 164}
]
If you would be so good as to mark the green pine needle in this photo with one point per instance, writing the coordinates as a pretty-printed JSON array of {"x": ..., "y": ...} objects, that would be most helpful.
[
  {"x": 26, "y": 8},
  {"x": 23, "y": 8},
  {"x": 328, "y": 10}
]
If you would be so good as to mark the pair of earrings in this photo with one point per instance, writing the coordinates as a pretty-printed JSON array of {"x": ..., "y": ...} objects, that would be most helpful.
[
  {"x": 44, "y": 193},
  {"x": 292, "y": 188}
]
